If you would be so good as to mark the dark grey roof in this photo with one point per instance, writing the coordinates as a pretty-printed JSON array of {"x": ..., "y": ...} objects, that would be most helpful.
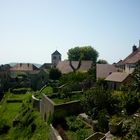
[
  {"x": 46, "y": 66},
  {"x": 117, "y": 76},
  {"x": 56, "y": 53}
]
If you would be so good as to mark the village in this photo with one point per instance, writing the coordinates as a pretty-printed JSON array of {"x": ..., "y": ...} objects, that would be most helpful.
[{"x": 75, "y": 99}]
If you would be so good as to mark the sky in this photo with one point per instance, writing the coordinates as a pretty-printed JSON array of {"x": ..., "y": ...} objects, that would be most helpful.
[{"x": 31, "y": 30}]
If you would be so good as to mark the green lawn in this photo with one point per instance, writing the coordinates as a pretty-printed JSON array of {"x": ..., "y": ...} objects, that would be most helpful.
[
  {"x": 47, "y": 90},
  {"x": 73, "y": 97}
]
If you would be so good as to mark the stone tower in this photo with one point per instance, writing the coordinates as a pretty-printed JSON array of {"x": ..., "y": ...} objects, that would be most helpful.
[{"x": 56, "y": 57}]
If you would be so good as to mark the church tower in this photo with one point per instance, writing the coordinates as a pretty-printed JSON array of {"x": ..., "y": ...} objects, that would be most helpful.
[{"x": 56, "y": 57}]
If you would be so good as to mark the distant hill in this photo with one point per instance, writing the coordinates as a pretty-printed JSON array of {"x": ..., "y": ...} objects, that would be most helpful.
[{"x": 13, "y": 64}]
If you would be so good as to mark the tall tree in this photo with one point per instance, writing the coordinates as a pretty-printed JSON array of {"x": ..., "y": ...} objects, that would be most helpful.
[{"x": 82, "y": 53}]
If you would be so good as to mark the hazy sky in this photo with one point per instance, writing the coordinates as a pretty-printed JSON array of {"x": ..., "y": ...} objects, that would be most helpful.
[{"x": 30, "y": 30}]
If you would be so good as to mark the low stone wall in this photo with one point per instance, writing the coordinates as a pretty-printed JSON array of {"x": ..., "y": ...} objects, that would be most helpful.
[
  {"x": 48, "y": 107},
  {"x": 35, "y": 103},
  {"x": 70, "y": 108}
]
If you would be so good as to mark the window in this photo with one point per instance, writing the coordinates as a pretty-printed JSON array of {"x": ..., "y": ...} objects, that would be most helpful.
[{"x": 54, "y": 57}]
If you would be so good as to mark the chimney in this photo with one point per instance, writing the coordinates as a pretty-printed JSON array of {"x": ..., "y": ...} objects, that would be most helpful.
[{"x": 134, "y": 48}]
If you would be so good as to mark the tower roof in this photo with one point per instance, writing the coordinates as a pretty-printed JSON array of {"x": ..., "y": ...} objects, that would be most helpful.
[{"x": 56, "y": 53}]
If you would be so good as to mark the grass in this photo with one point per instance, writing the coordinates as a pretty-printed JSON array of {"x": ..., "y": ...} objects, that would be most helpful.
[
  {"x": 8, "y": 112},
  {"x": 73, "y": 97},
  {"x": 47, "y": 90}
]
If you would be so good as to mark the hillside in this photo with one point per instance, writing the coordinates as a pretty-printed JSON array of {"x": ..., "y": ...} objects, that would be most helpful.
[{"x": 18, "y": 120}]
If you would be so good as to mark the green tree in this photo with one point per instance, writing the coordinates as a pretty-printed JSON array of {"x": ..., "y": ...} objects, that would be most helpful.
[
  {"x": 101, "y": 61},
  {"x": 136, "y": 76},
  {"x": 97, "y": 99},
  {"x": 55, "y": 74},
  {"x": 83, "y": 53}
]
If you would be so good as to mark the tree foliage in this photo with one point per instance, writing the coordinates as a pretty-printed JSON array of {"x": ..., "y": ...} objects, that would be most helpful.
[
  {"x": 97, "y": 99},
  {"x": 82, "y": 53},
  {"x": 136, "y": 76},
  {"x": 54, "y": 74},
  {"x": 102, "y": 61}
]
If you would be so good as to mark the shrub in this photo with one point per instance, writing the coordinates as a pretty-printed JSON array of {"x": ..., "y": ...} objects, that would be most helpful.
[
  {"x": 131, "y": 102},
  {"x": 103, "y": 121},
  {"x": 74, "y": 123},
  {"x": 54, "y": 74},
  {"x": 4, "y": 127},
  {"x": 97, "y": 99}
]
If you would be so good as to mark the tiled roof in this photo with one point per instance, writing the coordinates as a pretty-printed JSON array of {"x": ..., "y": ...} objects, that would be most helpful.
[
  {"x": 24, "y": 67},
  {"x": 103, "y": 70},
  {"x": 64, "y": 66},
  {"x": 117, "y": 76},
  {"x": 133, "y": 58},
  {"x": 56, "y": 53}
]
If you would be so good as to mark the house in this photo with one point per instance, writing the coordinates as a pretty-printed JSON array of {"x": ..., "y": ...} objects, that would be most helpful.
[
  {"x": 116, "y": 79},
  {"x": 125, "y": 68},
  {"x": 65, "y": 67},
  {"x": 24, "y": 67},
  {"x": 55, "y": 59},
  {"x": 46, "y": 66},
  {"x": 103, "y": 70},
  {"x": 128, "y": 64}
]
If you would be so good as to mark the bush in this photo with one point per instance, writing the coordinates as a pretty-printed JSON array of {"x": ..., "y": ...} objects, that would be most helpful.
[
  {"x": 4, "y": 127},
  {"x": 54, "y": 74},
  {"x": 103, "y": 121},
  {"x": 74, "y": 123},
  {"x": 131, "y": 102},
  {"x": 97, "y": 99}
]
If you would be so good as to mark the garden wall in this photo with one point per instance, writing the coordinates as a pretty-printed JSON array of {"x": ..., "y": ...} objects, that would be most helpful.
[
  {"x": 96, "y": 136},
  {"x": 35, "y": 103},
  {"x": 48, "y": 107}
]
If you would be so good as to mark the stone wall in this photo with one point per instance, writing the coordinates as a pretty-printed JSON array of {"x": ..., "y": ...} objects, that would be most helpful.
[
  {"x": 48, "y": 107},
  {"x": 35, "y": 103},
  {"x": 96, "y": 136},
  {"x": 54, "y": 134},
  {"x": 70, "y": 108}
]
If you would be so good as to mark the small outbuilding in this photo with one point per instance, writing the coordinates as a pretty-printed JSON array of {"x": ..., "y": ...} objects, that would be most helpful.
[{"x": 116, "y": 79}]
